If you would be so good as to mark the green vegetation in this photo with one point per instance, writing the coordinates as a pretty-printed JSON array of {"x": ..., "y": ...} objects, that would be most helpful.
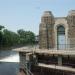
[
  {"x": 21, "y": 38},
  {"x": 26, "y": 37}
]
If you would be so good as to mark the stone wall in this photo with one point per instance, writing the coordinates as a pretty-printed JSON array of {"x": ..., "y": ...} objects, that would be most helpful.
[
  {"x": 42, "y": 36},
  {"x": 71, "y": 24},
  {"x": 46, "y": 31}
]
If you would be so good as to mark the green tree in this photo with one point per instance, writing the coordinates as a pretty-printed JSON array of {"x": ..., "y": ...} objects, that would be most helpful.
[
  {"x": 22, "y": 36},
  {"x": 11, "y": 38},
  {"x": 1, "y": 35},
  {"x": 1, "y": 27},
  {"x": 26, "y": 37}
]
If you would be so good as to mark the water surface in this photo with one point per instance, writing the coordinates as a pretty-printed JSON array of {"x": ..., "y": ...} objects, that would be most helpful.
[{"x": 9, "y": 62}]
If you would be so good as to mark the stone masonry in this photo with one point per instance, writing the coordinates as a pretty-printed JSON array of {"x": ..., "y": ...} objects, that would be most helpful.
[{"x": 48, "y": 29}]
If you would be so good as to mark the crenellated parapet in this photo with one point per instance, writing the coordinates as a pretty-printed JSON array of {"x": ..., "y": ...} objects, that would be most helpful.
[
  {"x": 71, "y": 18},
  {"x": 47, "y": 18}
]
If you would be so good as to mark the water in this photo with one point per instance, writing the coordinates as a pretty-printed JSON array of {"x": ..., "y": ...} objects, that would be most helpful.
[
  {"x": 9, "y": 63},
  {"x": 7, "y": 68}
]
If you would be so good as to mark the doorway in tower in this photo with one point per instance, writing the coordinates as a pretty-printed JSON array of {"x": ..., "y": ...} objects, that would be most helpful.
[{"x": 61, "y": 42}]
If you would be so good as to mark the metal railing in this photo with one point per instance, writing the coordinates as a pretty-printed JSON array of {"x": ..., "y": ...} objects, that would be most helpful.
[
  {"x": 25, "y": 67},
  {"x": 65, "y": 46},
  {"x": 61, "y": 47},
  {"x": 55, "y": 47}
]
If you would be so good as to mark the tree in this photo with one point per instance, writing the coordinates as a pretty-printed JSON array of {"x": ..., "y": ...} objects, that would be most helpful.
[
  {"x": 30, "y": 37},
  {"x": 26, "y": 37},
  {"x": 1, "y": 27},
  {"x": 22, "y": 36},
  {"x": 11, "y": 38},
  {"x": 1, "y": 35}
]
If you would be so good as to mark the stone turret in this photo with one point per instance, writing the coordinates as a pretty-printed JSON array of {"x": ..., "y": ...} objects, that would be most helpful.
[
  {"x": 46, "y": 30},
  {"x": 71, "y": 25},
  {"x": 47, "y": 17},
  {"x": 71, "y": 18}
]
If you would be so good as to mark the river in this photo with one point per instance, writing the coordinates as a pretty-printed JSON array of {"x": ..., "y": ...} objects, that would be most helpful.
[{"x": 9, "y": 62}]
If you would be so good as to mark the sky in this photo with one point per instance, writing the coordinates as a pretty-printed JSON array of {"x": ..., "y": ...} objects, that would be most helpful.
[{"x": 26, "y": 14}]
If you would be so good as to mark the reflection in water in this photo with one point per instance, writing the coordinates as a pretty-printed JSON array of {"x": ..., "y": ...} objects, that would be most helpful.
[{"x": 9, "y": 63}]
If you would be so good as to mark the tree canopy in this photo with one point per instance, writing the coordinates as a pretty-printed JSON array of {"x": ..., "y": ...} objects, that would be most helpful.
[
  {"x": 26, "y": 37},
  {"x": 1, "y": 27},
  {"x": 1, "y": 35},
  {"x": 22, "y": 37}
]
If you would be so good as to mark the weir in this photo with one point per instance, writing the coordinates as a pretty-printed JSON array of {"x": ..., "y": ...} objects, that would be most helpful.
[{"x": 55, "y": 53}]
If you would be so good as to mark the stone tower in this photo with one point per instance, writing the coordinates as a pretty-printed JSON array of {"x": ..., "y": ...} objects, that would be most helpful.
[
  {"x": 46, "y": 30},
  {"x": 71, "y": 25},
  {"x": 57, "y": 32}
]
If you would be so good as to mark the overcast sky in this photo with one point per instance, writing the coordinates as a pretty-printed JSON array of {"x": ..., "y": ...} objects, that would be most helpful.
[{"x": 26, "y": 14}]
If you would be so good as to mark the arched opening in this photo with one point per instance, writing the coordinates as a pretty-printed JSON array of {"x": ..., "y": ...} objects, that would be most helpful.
[{"x": 61, "y": 42}]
